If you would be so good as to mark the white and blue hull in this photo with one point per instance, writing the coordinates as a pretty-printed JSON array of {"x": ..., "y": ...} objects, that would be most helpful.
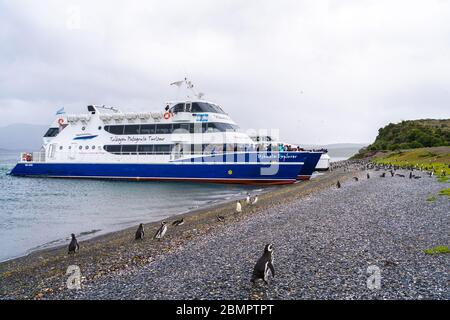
[{"x": 247, "y": 168}]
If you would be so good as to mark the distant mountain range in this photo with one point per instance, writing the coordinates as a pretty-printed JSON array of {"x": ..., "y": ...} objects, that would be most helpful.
[
  {"x": 21, "y": 137},
  {"x": 344, "y": 150}
]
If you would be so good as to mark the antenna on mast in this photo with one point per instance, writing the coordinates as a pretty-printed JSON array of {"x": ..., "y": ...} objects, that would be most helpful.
[{"x": 189, "y": 86}]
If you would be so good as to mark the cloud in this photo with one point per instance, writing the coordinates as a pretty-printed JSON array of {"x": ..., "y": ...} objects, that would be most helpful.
[{"x": 320, "y": 71}]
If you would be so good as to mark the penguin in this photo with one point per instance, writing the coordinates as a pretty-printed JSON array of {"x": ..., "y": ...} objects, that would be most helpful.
[
  {"x": 392, "y": 173},
  {"x": 368, "y": 176},
  {"x": 410, "y": 175},
  {"x": 140, "y": 233},
  {"x": 356, "y": 178},
  {"x": 221, "y": 218},
  {"x": 383, "y": 175},
  {"x": 177, "y": 223},
  {"x": 161, "y": 231},
  {"x": 264, "y": 265},
  {"x": 338, "y": 185},
  {"x": 247, "y": 200},
  {"x": 73, "y": 246},
  {"x": 254, "y": 200},
  {"x": 238, "y": 207}
]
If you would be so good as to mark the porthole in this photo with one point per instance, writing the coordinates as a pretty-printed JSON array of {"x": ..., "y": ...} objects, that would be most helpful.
[
  {"x": 100, "y": 128},
  {"x": 80, "y": 147},
  {"x": 93, "y": 147},
  {"x": 60, "y": 148},
  {"x": 83, "y": 128},
  {"x": 87, "y": 147},
  {"x": 70, "y": 147}
]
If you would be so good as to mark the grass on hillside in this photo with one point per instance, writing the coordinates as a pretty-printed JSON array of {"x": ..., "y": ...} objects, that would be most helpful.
[
  {"x": 437, "y": 159},
  {"x": 445, "y": 192}
]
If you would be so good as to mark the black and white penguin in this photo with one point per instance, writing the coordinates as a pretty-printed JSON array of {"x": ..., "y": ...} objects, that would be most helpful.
[
  {"x": 254, "y": 200},
  {"x": 177, "y": 223},
  {"x": 247, "y": 199},
  {"x": 140, "y": 233},
  {"x": 383, "y": 175},
  {"x": 338, "y": 185},
  {"x": 264, "y": 265},
  {"x": 221, "y": 218},
  {"x": 161, "y": 231},
  {"x": 410, "y": 175},
  {"x": 356, "y": 178},
  {"x": 73, "y": 246},
  {"x": 368, "y": 176},
  {"x": 238, "y": 207}
]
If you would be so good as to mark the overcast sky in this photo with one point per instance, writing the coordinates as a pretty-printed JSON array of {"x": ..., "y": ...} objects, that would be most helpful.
[{"x": 320, "y": 71}]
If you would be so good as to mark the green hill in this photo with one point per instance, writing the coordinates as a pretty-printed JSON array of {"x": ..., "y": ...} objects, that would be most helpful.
[{"x": 412, "y": 134}]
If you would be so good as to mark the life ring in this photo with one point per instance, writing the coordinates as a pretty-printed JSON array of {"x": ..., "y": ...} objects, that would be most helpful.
[
  {"x": 167, "y": 115},
  {"x": 61, "y": 121}
]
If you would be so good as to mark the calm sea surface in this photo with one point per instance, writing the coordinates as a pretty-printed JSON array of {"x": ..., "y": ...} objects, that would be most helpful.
[{"x": 38, "y": 213}]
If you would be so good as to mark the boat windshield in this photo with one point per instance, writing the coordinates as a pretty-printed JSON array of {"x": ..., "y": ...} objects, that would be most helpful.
[{"x": 196, "y": 107}]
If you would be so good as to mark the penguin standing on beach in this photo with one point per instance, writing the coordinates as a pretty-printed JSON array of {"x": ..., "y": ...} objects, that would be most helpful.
[
  {"x": 247, "y": 200},
  {"x": 140, "y": 233},
  {"x": 73, "y": 246},
  {"x": 338, "y": 185},
  {"x": 161, "y": 231},
  {"x": 264, "y": 265},
  {"x": 356, "y": 178},
  {"x": 383, "y": 175},
  {"x": 410, "y": 175},
  {"x": 368, "y": 176},
  {"x": 177, "y": 223},
  {"x": 238, "y": 207},
  {"x": 254, "y": 200}
]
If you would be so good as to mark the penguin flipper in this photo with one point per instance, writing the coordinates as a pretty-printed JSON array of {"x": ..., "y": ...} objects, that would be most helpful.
[{"x": 272, "y": 269}]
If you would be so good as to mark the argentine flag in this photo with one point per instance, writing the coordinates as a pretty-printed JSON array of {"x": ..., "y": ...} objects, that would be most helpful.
[{"x": 60, "y": 111}]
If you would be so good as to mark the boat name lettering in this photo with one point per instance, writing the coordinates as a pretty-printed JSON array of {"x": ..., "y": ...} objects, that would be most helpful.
[{"x": 136, "y": 139}]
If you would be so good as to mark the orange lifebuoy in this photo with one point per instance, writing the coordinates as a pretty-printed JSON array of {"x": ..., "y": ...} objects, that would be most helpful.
[
  {"x": 61, "y": 121},
  {"x": 167, "y": 115}
]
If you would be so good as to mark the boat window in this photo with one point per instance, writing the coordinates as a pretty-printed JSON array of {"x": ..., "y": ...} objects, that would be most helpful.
[
  {"x": 132, "y": 129},
  {"x": 130, "y": 148},
  {"x": 115, "y": 129},
  {"x": 146, "y": 148},
  {"x": 206, "y": 107},
  {"x": 52, "y": 132},
  {"x": 148, "y": 129},
  {"x": 162, "y": 148},
  {"x": 182, "y": 127},
  {"x": 113, "y": 148},
  {"x": 178, "y": 108},
  {"x": 163, "y": 128}
]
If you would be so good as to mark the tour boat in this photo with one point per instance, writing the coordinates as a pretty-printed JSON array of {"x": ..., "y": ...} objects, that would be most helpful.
[{"x": 189, "y": 140}]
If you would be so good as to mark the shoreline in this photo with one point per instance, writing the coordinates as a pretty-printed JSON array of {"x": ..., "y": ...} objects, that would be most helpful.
[{"x": 114, "y": 251}]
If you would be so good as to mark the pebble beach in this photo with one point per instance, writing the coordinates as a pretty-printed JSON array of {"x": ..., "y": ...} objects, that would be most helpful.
[{"x": 326, "y": 240}]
